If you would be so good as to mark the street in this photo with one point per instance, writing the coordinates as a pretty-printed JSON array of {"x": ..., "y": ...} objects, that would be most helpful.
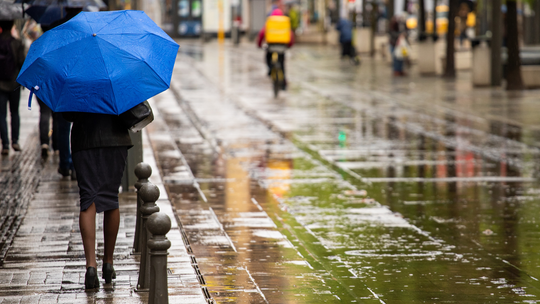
[{"x": 352, "y": 186}]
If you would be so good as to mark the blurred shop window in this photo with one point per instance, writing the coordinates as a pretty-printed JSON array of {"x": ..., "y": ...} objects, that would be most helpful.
[
  {"x": 196, "y": 10},
  {"x": 183, "y": 8}
]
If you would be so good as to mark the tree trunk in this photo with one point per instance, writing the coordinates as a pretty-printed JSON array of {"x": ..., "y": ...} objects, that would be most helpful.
[
  {"x": 364, "y": 14},
  {"x": 374, "y": 15},
  {"x": 537, "y": 21},
  {"x": 435, "y": 34},
  {"x": 450, "y": 71},
  {"x": 391, "y": 9},
  {"x": 422, "y": 17},
  {"x": 496, "y": 42},
  {"x": 513, "y": 65}
]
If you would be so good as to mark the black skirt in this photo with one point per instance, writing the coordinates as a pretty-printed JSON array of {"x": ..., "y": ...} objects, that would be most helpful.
[{"x": 99, "y": 175}]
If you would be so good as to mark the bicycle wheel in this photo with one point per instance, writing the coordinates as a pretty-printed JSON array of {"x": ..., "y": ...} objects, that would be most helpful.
[{"x": 275, "y": 75}]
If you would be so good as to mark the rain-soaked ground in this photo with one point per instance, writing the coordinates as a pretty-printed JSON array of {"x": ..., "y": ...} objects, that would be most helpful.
[{"x": 352, "y": 187}]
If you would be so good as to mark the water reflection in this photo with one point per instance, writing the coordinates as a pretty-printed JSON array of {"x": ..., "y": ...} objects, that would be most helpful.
[{"x": 434, "y": 205}]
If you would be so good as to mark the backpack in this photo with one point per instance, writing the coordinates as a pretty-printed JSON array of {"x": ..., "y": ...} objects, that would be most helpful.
[
  {"x": 7, "y": 60},
  {"x": 278, "y": 30}
]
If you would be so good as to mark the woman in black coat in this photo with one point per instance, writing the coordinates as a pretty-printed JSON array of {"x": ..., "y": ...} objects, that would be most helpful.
[{"x": 99, "y": 144}]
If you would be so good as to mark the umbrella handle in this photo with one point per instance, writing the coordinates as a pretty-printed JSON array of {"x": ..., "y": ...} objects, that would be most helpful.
[{"x": 30, "y": 97}]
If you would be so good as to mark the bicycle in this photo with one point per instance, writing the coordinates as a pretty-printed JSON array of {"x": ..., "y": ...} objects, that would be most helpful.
[{"x": 276, "y": 72}]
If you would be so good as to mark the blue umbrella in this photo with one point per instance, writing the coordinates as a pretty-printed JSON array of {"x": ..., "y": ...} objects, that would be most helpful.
[{"x": 100, "y": 62}]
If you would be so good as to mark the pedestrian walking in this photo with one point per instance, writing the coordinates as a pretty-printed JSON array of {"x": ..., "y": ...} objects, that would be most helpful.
[
  {"x": 45, "y": 115},
  {"x": 396, "y": 33},
  {"x": 345, "y": 29},
  {"x": 61, "y": 127},
  {"x": 99, "y": 143},
  {"x": 294, "y": 15},
  {"x": 102, "y": 83},
  {"x": 12, "y": 57}
]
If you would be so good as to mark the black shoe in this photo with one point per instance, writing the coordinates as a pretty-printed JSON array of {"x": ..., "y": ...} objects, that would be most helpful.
[
  {"x": 108, "y": 272},
  {"x": 64, "y": 171},
  {"x": 91, "y": 280},
  {"x": 44, "y": 150}
]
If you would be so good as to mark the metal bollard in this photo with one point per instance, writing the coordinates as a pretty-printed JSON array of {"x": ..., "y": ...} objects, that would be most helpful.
[
  {"x": 158, "y": 226},
  {"x": 149, "y": 196},
  {"x": 143, "y": 172}
]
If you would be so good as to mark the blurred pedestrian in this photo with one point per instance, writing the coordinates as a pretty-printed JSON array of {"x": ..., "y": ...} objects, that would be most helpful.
[
  {"x": 395, "y": 33},
  {"x": 345, "y": 28},
  {"x": 294, "y": 15},
  {"x": 99, "y": 143},
  {"x": 61, "y": 127},
  {"x": 45, "y": 115},
  {"x": 31, "y": 32},
  {"x": 12, "y": 57}
]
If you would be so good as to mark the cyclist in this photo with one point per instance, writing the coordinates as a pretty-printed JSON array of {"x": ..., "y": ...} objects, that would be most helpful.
[{"x": 273, "y": 36}]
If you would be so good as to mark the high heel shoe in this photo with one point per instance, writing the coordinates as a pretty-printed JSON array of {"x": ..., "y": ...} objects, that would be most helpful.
[
  {"x": 91, "y": 280},
  {"x": 108, "y": 272}
]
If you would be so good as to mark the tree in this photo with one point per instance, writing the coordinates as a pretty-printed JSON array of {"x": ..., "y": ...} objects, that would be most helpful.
[
  {"x": 513, "y": 64},
  {"x": 422, "y": 18},
  {"x": 390, "y": 9},
  {"x": 373, "y": 23},
  {"x": 450, "y": 70}
]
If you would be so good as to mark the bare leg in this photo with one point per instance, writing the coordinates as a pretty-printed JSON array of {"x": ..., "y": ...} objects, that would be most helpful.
[
  {"x": 87, "y": 225},
  {"x": 111, "y": 223}
]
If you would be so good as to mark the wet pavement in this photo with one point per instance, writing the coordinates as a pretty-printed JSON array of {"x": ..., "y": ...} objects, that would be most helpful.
[{"x": 352, "y": 186}]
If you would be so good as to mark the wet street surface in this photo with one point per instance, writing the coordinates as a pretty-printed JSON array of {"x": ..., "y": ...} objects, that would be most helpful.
[
  {"x": 19, "y": 178},
  {"x": 352, "y": 186}
]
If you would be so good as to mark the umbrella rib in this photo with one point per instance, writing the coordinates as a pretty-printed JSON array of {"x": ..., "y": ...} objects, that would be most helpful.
[
  {"x": 105, "y": 25},
  {"x": 69, "y": 73},
  {"x": 153, "y": 71},
  {"x": 164, "y": 81},
  {"x": 107, "y": 70}
]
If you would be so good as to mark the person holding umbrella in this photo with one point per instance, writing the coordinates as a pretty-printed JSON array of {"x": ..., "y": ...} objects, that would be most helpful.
[
  {"x": 99, "y": 143},
  {"x": 93, "y": 68},
  {"x": 12, "y": 57}
]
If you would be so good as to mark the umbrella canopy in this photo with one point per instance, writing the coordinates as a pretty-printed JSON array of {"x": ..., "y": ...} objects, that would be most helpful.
[
  {"x": 46, "y": 14},
  {"x": 100, "y": 62},
  {"x": 65, "y": 3},
  {"x": 10, "y": 10}
]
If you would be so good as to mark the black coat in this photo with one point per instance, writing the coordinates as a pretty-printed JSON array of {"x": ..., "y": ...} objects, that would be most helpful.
[{"x": 92, "y": 130}]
